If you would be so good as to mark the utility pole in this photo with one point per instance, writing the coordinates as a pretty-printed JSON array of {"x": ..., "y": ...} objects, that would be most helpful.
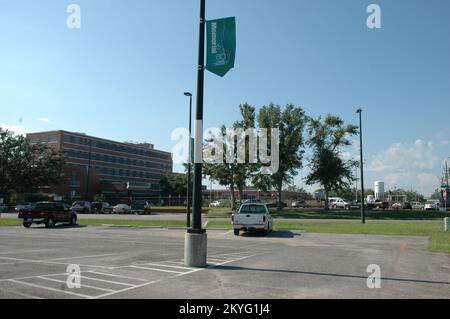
[
  {"x": 196, "y": 239},
  {"x": 188, "y": 199},
  {"x": 363, "y": 212}
]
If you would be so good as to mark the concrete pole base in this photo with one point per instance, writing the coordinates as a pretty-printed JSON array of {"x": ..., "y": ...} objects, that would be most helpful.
[{"x": 195, "y": 247}]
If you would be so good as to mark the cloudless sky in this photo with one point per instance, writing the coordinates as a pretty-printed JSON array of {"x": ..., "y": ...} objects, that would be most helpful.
[{"x": 123, "y": 74}]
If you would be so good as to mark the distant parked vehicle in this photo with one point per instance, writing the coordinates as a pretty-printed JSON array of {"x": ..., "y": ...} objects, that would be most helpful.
[
  {"x": 140, "y": 207},
  {"x": 275, "y": 204},
  {"x": 81, "y": 207},
  {"x": 381, "y": 205},
  {"x": 99, "y": 207},
  {"x": 417, "y": 206},
  {"x": 122, "y": 209},
  {"x": 48, "y": 213},
  {"x": 216, "y": 204},
  {"x": 3, "y": 208},
  {"x": 300, "y": 204},
  {"x": 406, "y": 205},
  {"x": 432, "y": 205},
  {"x": 397, "y": 205},
  {"x": 338, "y": 203},
  {"x": 23, "y": 206}
]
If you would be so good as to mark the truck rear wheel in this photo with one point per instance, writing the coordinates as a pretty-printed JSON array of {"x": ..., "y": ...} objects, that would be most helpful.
[
  {"x": 50, "y": 222},
  {"x": 27, "y": 225},
  {"x": 236, "y": 232}
]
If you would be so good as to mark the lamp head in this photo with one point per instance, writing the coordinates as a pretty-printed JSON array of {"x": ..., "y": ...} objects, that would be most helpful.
[{"x": 187, "y": 93}]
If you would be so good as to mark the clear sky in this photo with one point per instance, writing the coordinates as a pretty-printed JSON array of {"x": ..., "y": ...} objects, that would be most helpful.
[{"x": 123, "y": 74}]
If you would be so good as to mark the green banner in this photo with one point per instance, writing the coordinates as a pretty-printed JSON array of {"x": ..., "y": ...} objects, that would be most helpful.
[{"x": 221, "y": 45}]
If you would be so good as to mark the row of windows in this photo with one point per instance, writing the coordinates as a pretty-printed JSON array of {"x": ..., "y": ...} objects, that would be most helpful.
[
  {"x": 114, "y": 147},
  {"x": 128, "y": 173},
  {"x": 44, "y": 138},
  {"x": 117, "y": 160}
]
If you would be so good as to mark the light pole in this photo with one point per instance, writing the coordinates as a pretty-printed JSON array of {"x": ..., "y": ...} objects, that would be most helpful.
[
  {"x": 188, "y": 200},
  {"x": 363, "y": 212},
  {"x": 195, "y": 246}
]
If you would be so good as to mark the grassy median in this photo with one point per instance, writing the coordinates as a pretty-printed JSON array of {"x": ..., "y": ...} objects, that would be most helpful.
[{"x": 439, "y": 241}]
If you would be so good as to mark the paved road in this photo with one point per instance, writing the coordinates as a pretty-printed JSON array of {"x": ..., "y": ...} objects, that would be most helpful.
[{"x": 147, "y": 263}]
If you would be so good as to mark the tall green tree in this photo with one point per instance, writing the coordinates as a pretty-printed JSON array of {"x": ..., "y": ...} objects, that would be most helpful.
[
  {"x": 25, "y": 166},
  {"x": 327, "y": 166},
  {"x": 291, "y": 123},
  {"x": 233, "y": 174}
]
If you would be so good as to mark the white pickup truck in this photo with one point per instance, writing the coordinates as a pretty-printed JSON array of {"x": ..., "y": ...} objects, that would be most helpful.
[{"x": 251, "y": 217}]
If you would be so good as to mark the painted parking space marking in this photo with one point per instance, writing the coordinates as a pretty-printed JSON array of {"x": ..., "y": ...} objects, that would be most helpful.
[
  {"x": 111, "y": 282},
  {"x": 154, "y": 269}
]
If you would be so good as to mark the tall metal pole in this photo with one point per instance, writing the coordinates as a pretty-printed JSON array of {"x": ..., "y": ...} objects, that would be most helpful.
[
  {"x": 363, "y": 212},
  {"x": 188, "y": 197},
  {"x": 197, "y": 195}
]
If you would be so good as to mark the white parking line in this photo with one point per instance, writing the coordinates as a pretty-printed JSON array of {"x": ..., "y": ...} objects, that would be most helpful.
[
  {"x": 49, "y": 288},
  {"x": 83, "y": 285},
  {"x": 155, "y": 269},
  {"x": 169, "y": 266},
  {"x": 108, "y": 281},
  {"x": 126, "y": 289},
  {"x": 117, "y": 276}
]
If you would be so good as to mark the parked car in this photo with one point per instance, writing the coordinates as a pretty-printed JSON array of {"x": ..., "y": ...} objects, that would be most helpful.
[
  {"x": 300, "y": 204},
  {"x": 381, "y": 205},
  {"x": 216, "y": 204},
  {"x": 432, "y": 205},
  {"x": 122, "y": 209},
  {"x": 23, "y": 206},
  {"x": 355, "y": 205},
  {"x": 3, "y": 208},
  {"x": 252, "y": 217},
  {"x": 48, "y": 213},
  {"x": 396, "y": 205},
  {"x": 140, "y": 207},
  {"x": 406, "y": 205},
  {"x": 417, "y": 206},
  {"x": 99, "y": 207},
  {"x": 275, "y": 204},
  {"x": 338, "y": 203},
  {"x": 81, "y": 207}
]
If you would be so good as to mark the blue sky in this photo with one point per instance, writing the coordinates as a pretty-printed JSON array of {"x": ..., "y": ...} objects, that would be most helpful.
[{"x": 123, "y": 74}]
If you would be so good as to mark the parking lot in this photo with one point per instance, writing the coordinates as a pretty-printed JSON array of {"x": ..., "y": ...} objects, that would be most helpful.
[{"x": 148, "y": 263}]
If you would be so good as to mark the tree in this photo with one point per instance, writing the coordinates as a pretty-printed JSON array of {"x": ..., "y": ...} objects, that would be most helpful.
[
  {"x": 290, "y": 123},
  {"x": 174, "y": 185},
  {"x": 25, "y": 166},
  {"x": 327, "y": 166},
  {"x": 232, "y": 173}
]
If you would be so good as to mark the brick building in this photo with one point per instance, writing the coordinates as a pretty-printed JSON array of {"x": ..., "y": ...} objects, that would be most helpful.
[{"x": 99, "y": 166}]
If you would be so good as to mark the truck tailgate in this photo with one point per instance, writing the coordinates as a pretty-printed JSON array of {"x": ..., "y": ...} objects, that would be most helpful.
[{"x": 249, "y": 219}]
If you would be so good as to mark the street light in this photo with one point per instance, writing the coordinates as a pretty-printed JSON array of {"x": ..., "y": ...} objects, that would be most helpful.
[
  {"x": 363, "y": 213},
  {"x": 188, "y": 208}
]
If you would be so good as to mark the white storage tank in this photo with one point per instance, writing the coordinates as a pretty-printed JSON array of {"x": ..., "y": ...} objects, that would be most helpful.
[{"x": 379, "y": 191}]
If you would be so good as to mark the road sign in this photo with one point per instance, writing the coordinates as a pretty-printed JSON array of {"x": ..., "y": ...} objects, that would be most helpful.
[{"x": 221, "y": 45}]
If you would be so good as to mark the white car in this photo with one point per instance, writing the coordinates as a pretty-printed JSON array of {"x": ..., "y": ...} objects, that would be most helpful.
[
  {"x": 252, "y": 217},
  {"x": 216, "y": 204},
  {"x": 122, "y": 209},
  {"x": 432, "y": 205},
  {"x": 417, "y": 206},
  {"x": 338, "y": 203}
]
